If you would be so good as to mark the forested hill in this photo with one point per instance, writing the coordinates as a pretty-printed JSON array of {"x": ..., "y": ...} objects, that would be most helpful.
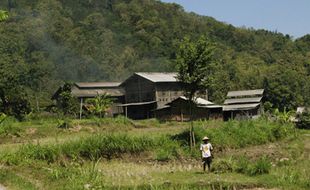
[{"x": 46, "y": 42}]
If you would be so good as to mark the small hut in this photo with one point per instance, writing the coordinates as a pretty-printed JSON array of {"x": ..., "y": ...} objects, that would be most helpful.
[
  {"x": 86, "y": 90},
  {"x": 246, "y": 104},
  {"x": 179, "y": 110}
]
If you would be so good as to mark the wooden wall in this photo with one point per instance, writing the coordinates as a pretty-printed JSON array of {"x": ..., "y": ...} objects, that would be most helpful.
[
  {"x": 167, "y": 92},
  {"x": 139, "y": 89}
]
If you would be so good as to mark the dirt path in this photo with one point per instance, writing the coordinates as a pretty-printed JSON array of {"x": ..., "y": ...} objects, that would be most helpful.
[{"x": 2, "y": 187}]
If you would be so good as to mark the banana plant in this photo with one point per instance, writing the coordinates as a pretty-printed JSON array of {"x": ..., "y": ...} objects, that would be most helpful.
[
  {"x": 3, "y": 15},
  {"x": 100, "y": 104},
  {"x": 284, "y": 116},
  {"x": 2, "y": 117}
]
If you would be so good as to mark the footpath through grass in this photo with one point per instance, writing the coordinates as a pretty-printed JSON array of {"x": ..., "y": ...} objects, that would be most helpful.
[{"x": 128, "y": 155}]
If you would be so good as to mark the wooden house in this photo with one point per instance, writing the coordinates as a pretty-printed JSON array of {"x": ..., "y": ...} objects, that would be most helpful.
[
  {"x": 86, "y": 90},
  {"x": 245, "y": 104},
  {"x": 146, "y": 92},
  {"x": 179, "y": 110}
]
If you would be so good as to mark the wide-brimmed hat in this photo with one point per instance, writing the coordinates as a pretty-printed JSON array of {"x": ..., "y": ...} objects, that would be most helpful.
[{"x": 205, "y": 138}]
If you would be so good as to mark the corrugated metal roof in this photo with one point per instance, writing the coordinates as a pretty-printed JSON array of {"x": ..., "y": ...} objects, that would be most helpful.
[
  {"x": 199, "y": 101},
  {"x": 90, "y": 93},
  {"x": 243, "y": 100},
  {"x": 246, "y": 93},
  {"x": 211, "y": 106},
  {"x": 202, "y": 103},
  {"x": 136, "y": 104},
  {"x": 97, "y": 84},
  {"x": 239, "y": 107},
  {"x": 159, "y": 77}
]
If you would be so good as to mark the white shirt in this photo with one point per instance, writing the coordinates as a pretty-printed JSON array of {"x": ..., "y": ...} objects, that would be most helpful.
[{"x": 206, "y": 150}]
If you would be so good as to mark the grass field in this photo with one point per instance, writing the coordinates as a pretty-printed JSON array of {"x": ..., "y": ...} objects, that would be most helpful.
[{"x": 123, "y": 154}]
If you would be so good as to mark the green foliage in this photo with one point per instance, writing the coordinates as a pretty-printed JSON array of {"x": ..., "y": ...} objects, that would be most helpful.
[
  {"x": 242, "y": 165},
  {"x": 283, "y": 117},
  {"x": 95, "y": 147},
  {"x": 3, "y": 15},
  {"x": 99, "y": 105},
  {"x": 2, "y": 117},
  {"x": 40, "y": 152},
  {"x": 195, "y": 61},
  {"x": 234, "y": 134},
  {"x": 261, "y": 166},
  {"x": 168, "y": 150},
  {"x": 64, "y": 123},
  {"x": 223, "y": 165},
  {"x": 66, "y": 103},
  {"x": 8, "y": 127},
  {"x": 13, "y": 102},
  {"x": 48, "y": 42},
  {"x": 9, "y": 177}
]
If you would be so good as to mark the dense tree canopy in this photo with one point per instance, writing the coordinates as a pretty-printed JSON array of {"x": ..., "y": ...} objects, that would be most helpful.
[
  {"x": 195, "y": 65},
  {"x": 44, "y": 43}
]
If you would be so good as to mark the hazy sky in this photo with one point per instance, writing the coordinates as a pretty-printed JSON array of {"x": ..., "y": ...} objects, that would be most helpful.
[{"x": 286, "y": 16}]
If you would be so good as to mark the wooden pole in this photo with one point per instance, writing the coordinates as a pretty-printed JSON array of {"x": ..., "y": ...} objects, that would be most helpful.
[
  {"x": 81, "y": 108},
  {"x": 126, "y": 113}
]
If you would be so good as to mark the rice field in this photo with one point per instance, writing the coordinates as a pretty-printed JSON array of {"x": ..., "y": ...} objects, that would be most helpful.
[{"x": 123, "y": 154}]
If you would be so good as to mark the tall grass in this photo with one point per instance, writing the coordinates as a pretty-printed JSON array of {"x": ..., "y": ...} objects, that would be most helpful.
[
  {"x": 9, "y": 177},
  {"x": 92, "y": 148},
  {"x": 242, "y": 165},
  {"x": 117, "y": 123},
  {"x": 8, "y": 126},
  {"x": 234, "y": 134},
  {"x": 230, "y": 135}
]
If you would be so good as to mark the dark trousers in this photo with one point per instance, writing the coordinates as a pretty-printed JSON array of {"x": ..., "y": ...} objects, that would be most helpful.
[{"x": 206, "y": 162}]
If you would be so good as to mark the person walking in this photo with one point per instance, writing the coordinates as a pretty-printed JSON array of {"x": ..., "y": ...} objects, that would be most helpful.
[{"x": 206, "y": 149}]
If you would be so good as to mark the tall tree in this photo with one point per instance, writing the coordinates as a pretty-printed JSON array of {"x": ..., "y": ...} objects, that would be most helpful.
[{"x": 195, "y": 63}]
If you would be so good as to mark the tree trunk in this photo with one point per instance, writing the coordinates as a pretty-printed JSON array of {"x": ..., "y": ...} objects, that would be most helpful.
[
  {"x": 190, "y": 138},
  {"x": 37, "y": 102},
  {"x": 192, "y": 133}
]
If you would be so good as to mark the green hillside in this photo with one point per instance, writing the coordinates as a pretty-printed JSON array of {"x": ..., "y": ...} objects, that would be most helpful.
[{"x": 47, "y": 42}]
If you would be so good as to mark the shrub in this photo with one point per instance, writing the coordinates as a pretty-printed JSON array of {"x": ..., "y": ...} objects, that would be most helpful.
[
  {"x": 8, "y": 127},
  {"x": 261, "y": 166},
  {"x": 242, "y": 165},
  {"x": 163, "y": 155},
  {"x": 167, "y": 150},
  {"x": 223, "y": 165},
  {"x": 64, "y": 123},
  {"x": 40, "y": 152}
]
